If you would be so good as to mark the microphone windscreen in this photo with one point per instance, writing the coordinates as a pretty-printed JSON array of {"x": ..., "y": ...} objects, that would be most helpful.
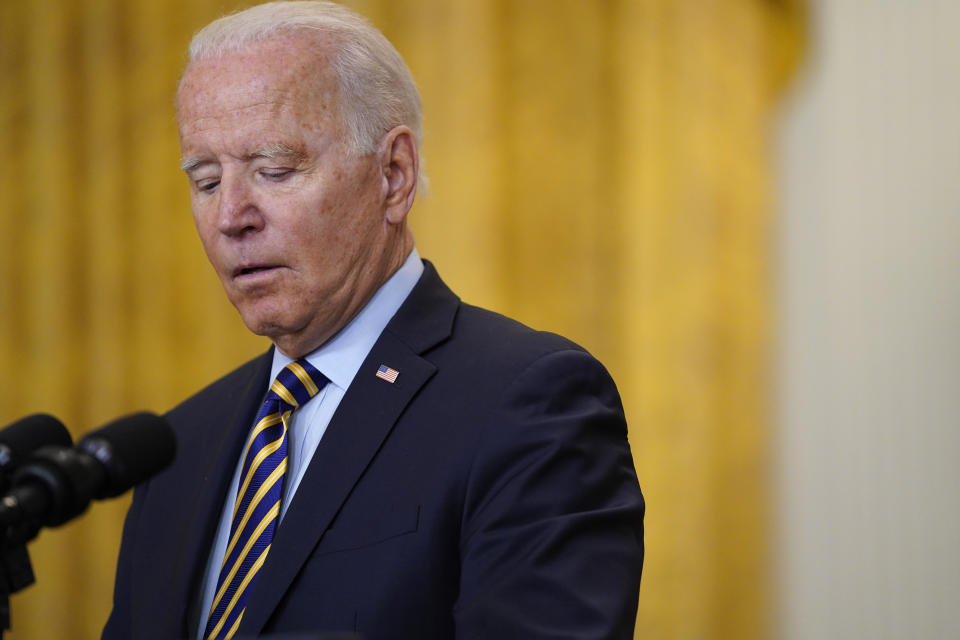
[
  {"x": 26, "y": 435},
  {"x": 131, "y": 450}
]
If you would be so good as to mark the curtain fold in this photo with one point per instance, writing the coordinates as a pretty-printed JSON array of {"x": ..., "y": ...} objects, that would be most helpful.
[{"x": 600, "y": 169}]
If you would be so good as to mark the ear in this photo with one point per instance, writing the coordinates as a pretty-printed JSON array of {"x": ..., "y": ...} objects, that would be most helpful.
[{"x": 399, "y": 164}]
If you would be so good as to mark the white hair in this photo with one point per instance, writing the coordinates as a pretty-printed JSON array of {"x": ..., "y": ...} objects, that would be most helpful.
[{"x": 377, "y": 90}]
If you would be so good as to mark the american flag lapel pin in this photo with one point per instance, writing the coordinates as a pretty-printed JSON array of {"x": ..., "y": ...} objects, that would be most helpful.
[{"x": 388, "y": 374}]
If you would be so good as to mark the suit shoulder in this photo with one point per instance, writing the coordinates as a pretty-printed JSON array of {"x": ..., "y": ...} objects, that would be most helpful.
[
  {"x": 490, "y": 330},
  {"x": 487, "y": 353},
  {"x": 518, "y": 352}
]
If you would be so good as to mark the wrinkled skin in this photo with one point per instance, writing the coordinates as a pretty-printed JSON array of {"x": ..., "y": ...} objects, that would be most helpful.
[{"x": 301, "y": 229}]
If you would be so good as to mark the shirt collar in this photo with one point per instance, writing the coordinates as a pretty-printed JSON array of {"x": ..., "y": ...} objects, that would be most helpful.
[{"x": 340, "y": 357}]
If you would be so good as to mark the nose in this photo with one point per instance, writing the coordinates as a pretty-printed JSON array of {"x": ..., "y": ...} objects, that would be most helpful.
[{"x": 237, "y": 211}]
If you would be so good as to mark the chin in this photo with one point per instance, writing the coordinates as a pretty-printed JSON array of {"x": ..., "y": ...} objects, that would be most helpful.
[
  {"x": 277, "y": 329},
  {"x": 264, "y": 317},
  {"x": 257, "y": 321},
  {"x": 266, "y": 328},
  {"x": 282, "y": 325}
]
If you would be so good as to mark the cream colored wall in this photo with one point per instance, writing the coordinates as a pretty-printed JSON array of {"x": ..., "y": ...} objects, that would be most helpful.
[{"x": 869, "y": 308}]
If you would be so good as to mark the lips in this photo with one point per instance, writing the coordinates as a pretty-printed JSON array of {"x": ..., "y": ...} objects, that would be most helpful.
[{"x": 253, "y": 269}]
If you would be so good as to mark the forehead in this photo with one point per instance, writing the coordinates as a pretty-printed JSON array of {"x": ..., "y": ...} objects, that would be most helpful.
[{"x": 289, "y": 76}]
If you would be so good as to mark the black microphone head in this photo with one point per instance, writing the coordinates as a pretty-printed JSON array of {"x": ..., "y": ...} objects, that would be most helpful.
[
  {"x": 131, "y": 450},
  {"x": 26, "y": 435}
]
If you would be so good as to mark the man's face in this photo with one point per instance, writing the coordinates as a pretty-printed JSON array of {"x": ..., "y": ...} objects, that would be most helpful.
[{"x": 291, "y": 221}]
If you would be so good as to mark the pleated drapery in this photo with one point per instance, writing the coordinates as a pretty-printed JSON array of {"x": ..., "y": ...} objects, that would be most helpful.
[{"x": 599, "y": 168}]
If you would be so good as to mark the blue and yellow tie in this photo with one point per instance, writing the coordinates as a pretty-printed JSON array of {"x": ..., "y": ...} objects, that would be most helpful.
[{"x": 258, "y": 496}]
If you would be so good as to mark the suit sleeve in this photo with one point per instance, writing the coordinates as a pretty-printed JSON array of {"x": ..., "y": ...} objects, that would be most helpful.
[
  {"x": 119, "y": 624},
  {"x": 552, "y": 537}
]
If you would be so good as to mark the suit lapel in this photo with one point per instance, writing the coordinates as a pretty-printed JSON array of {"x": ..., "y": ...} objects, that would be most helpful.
[
  {"x": 356, "y": 432},
  {"x": 214, "y": 454}
]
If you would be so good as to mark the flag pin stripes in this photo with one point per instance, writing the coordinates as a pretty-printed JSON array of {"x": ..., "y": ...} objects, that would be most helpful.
[{"x": 388, "y": 374}]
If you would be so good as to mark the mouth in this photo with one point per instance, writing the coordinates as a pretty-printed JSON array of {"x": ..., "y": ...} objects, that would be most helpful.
[{"x": 253, "y": 269}]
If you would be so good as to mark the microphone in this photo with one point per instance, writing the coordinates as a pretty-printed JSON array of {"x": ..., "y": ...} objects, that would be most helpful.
[
  {"x": 23, "y": 437},
  {"x": 57, "y": 483}
]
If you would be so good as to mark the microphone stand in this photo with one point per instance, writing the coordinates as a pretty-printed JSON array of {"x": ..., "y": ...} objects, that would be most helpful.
[
  {"x": 16, "y": 573},
  {"x": 53, "y": 469}
]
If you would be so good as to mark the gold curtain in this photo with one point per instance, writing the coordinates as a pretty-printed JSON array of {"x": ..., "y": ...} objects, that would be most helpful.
[{"x": 599, "y": 168}]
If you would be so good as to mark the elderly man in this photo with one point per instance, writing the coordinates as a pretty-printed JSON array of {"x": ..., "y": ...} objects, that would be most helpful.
[{"x": 400, "y": 465}]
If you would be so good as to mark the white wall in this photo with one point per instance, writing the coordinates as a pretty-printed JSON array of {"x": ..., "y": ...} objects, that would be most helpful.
[{"x": 869, "y": 365}]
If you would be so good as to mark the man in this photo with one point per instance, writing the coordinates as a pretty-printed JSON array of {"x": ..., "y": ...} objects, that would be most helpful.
[{"x": 418, "y": 468}]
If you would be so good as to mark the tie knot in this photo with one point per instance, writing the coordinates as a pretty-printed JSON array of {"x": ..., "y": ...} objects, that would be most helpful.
[{"x": 297, "y": 382}]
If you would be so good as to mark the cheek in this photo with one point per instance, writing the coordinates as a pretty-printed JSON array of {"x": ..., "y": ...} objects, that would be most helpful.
[
  {"x": 204, "y": 232},
  {"x": 207, "y": 232},
  {"x": 201, "y": 218},
  {"x": 327, "y": 249}
]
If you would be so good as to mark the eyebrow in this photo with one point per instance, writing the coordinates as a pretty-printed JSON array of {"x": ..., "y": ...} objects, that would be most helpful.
[
  {"x": 273, "y": 151},
  {"x": 270, "y": 152},
  {"x": 190, "y": 163}
]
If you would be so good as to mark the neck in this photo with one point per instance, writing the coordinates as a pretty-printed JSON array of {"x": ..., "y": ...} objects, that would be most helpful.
[{"x": 296, "y": 345}]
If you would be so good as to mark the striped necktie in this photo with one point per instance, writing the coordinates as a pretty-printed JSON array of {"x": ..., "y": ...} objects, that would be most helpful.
[{"x": 257, "y": 508}]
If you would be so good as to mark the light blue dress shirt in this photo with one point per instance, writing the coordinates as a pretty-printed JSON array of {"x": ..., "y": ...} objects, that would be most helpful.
[{"x": 338, "y": 359}]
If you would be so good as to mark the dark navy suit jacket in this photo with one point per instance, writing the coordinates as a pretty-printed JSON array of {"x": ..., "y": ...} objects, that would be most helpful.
[{"x": 488, "y": 493}]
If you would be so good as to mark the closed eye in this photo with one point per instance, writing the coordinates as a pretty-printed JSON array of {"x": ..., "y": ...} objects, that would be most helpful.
[
  {"x": 275, "y": 174},
  {"x": 208, "y": 185}
]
